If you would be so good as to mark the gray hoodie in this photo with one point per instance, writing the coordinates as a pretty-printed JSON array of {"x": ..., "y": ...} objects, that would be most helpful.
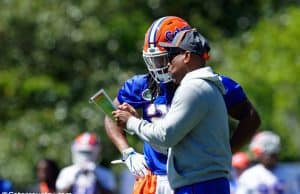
[{"x": 195, "y": 128}]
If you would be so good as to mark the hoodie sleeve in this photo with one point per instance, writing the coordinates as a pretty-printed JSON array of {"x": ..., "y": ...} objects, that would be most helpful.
[{"x": 187, "y": 109}]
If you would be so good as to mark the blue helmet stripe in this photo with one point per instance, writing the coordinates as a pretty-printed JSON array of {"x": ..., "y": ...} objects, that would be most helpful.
[{"x": 153, "y": 32}]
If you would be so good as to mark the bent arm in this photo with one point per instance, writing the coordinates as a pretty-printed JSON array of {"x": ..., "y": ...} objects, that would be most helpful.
[
  {"x": 249, "y": 121},
  {"x": 115, "y": 133},
  {"x": 187, "y": 109}
]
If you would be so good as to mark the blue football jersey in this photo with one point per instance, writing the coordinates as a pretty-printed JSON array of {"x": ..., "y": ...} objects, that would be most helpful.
[
  {"x": 135, "y": 91},
  {"x": 234, "y": 93}
]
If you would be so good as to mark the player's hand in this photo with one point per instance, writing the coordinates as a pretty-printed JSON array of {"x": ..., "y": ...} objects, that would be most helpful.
[{"x": 135, "y": 162}]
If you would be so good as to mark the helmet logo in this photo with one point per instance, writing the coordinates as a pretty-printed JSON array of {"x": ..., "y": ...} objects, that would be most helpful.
[{"x": 170, "y": 35}]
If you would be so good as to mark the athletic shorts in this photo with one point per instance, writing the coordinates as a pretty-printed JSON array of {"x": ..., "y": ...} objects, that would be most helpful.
[
  {"x": 215, "y": 186},
  {"x": 152, "y": 184}
]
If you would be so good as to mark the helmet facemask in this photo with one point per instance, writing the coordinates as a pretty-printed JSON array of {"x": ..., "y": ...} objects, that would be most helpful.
[
  {"x": 85, "y": 150},
  {"x": 83, "y": 156},
  {"x": 156, "y": 57},
  {"x": 157, "y": 63}
]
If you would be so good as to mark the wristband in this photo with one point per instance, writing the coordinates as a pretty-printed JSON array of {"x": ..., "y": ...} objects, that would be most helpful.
[{"x": 127, "y": 152}]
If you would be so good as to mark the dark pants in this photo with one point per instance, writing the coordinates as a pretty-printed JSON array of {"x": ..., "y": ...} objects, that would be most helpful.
[{"x": 215, "y": 186}]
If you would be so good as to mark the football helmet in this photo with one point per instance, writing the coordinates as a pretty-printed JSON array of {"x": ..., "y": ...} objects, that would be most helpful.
[
  {"x": 156, "y": 57},
  {"x": 85, "y": 149},
  {"x": 265, "y": 142}
]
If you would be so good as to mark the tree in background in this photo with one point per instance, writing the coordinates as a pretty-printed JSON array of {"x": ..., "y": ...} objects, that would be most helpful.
[
  {"x": 266, "y": 62},
  {"x": 55, "y": 54}
]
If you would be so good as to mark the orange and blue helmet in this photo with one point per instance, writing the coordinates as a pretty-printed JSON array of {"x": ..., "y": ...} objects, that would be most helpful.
[
  {"x": 85, "y": 148},
  {"x": 156, "y": 57}
]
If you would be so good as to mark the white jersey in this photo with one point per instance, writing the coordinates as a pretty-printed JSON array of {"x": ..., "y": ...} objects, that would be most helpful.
[
  {"x": 70, "y": 178},
  {"x": 260, "y": 180}
]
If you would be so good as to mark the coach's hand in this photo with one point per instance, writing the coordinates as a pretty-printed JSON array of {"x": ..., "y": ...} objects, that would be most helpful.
[
  {"x": 127, "y": 107},
  {"x": 135, "y": 162},
  {"x": 123, "y": 113}
]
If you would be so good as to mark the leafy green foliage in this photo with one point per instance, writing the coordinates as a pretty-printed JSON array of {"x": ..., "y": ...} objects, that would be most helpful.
[
  {"x": 266, "y": 62},
  {"x": 55, "y": 54}
]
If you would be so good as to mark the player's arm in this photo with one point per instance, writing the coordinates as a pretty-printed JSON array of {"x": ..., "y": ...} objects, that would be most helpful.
[
  {"x": 249, "y": 121},
  {"x": 128, "y": 92},
  {"x": 135, "y": 161},
  {"x": 115, "y": 133},
  {"x": 65, "y": 180}
]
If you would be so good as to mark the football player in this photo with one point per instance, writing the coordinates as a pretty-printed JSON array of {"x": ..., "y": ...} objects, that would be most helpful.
[
  {"x": 153, "y": 93},
  {"x": 266, "y": 176},
  {"x": 85, "y": 176},
  {"x": 240, "y": 162}
]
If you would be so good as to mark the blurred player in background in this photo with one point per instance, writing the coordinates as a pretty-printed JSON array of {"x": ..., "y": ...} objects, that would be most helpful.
[
  {"x": 152, "y": 93},
  {"x": 46, "y": 171},
  {"x": 266, "y": 176},
  {"x": 5, "y": 186},
  {"x": 84, "y": 176},
  {"x": 240, "y": 162}
]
